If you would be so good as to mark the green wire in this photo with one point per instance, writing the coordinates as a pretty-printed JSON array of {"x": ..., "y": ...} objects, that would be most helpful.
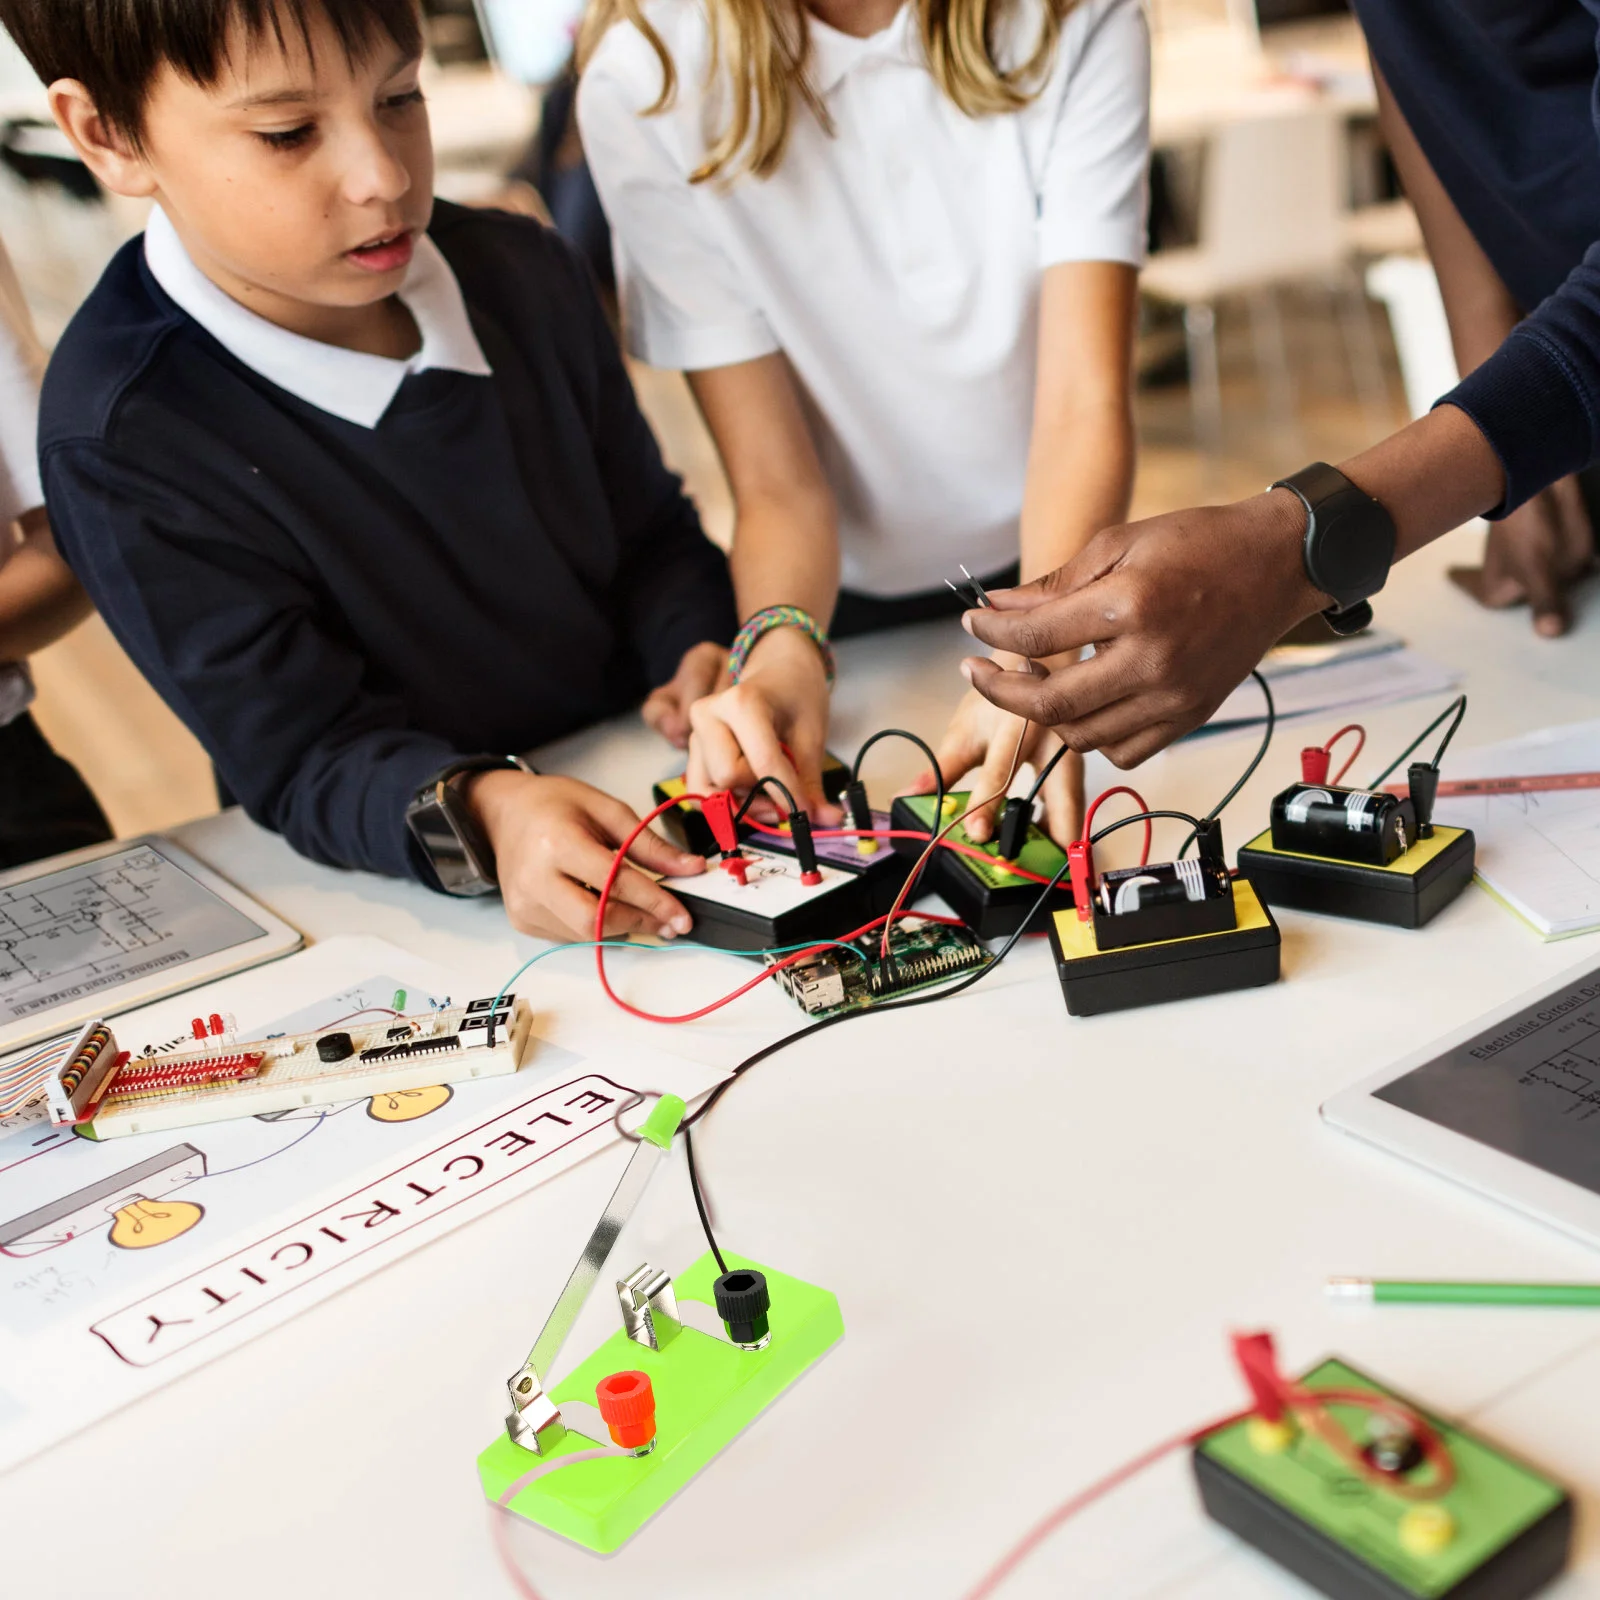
[{"x": 628, "y": 944}]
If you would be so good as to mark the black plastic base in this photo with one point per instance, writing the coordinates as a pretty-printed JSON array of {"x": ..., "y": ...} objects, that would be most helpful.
[
  {"x": 1400, "y": 897},
  {"x": 1095, "y": 982},
  {"x": 992, "y": 911}
]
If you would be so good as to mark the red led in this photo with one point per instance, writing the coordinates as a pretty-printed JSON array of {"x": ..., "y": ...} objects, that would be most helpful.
[
  {"x": 628, "y": 1408},
  {"x": 216, "y": 1022},
  {"x": 198, "y": 1026}
]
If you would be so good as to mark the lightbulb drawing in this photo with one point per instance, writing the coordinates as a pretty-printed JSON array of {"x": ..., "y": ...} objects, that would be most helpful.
[
  {"x": 406, "y": 1105},
  {"x": 135, "y": 1200},
  {"x": 146, "y": 1223}
]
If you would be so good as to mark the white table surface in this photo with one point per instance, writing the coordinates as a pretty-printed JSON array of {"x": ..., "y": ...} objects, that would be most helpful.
[{"x": 1040, "y": 1230}]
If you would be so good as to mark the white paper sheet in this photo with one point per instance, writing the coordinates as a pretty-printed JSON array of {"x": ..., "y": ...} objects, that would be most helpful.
[
  {"x": 1371, "y": 679},
  {"x": 131, "y": 1262},
  {"x": 1539, "y": 852}
]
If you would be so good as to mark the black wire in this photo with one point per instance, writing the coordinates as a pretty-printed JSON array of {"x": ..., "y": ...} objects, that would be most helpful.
[
  {"x": 927, "y": 750},
  {"x": 1249, "y": 772},
  {"x": 758, "y": 785},
  {"x": 902, "y": 1004},
  {"x": 1459, "y": 706},
  {"x": 1044, "y": 772},
  {"x": 1145, "y": 816},
  {"x": 699, "y": 1200}
]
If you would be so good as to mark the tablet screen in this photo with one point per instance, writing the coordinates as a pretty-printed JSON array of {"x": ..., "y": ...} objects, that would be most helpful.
[
  {"x": 1529, "y": 1085},
  {"x": 71, "y": 934}
]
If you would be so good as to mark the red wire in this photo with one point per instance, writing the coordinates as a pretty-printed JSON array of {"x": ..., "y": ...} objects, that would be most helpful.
[
  {"x": 1042, "y": 1530},
  {"x": 744, "y": 988},
  {"x": 1361, "y": 744},
  {"x": 1106, "y": 794},
  {"x": 972, "y": 850}
]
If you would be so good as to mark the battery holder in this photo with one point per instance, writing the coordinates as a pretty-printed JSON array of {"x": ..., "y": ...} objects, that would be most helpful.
[
  {"x": 1501, "y": 1532},
  {"x": 993, "y": 902},
  {"x": 1243, "y": 956}
]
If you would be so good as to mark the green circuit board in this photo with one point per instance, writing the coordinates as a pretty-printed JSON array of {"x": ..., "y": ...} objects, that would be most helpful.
[{"x": 850, "y": 978}]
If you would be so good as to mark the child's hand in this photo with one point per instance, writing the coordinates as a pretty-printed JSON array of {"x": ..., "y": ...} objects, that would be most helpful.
[
  {"x": 782, "y": 699},
  {"x": 982, "y": 739},
  {"x": 554, "y": 838},
  {"x": 702, "y": 671}
]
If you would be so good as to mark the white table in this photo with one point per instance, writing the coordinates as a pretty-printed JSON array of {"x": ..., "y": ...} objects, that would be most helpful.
[{"x": 1040, "y": 1231}]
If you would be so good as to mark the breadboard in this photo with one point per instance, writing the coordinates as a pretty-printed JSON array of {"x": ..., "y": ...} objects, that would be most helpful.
[{"x": 388, "y": 1056}]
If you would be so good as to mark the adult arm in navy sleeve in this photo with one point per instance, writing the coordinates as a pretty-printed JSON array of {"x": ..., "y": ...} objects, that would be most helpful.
[
  {"x": 245, "y": 653},
  {"x": 1538, "y": 548}
]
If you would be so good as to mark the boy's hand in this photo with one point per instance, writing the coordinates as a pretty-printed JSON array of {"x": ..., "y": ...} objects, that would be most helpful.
[
  {"x": 702, "y": 671},
  {"x": 739, "y": 735},
  {"x": 982, "y": 739},
  {"x": 553, "y": 841}
]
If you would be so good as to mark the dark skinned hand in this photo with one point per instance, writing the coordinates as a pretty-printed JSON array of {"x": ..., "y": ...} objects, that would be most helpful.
[{"x": 1178, "y": 608}]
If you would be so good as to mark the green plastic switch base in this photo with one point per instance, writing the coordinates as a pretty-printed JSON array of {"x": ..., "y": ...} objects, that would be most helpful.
[
  {"x": 1508, "y": 1527},
  {"x": 993, "y": 902},
  {"x": 707, "y": 1391}
]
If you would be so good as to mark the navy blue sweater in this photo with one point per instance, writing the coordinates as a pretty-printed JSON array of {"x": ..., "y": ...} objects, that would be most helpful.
[
  {"x": 336, "y": 611},
  {"x": 1503, "y": 98}
]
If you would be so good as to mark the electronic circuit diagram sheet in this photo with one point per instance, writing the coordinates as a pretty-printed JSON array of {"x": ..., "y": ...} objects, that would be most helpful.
[
  {"x": 127, "y": 1262},
  {"x": 1528, "y": 1085},
  {"x": 70, "y": 935}
]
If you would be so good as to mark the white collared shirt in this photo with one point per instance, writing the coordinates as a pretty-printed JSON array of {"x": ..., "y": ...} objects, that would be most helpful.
[
  {"x": 346, "y": 383},
  {"x": 21, "y": 369},
  {"x": 895, "y": 263}
]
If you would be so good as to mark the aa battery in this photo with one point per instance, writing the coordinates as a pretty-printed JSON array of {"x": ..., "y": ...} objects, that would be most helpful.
[{"x": 1343, "y": 824}]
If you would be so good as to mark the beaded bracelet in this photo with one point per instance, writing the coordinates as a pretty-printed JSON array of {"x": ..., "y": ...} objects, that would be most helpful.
[{"x": 763, "y": 622}]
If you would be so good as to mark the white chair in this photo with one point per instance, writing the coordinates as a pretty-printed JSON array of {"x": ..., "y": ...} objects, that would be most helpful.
[{"x": 1272, "y": 211}]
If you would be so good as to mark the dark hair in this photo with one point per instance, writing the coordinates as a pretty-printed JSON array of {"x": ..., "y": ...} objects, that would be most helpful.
[{"x": 115, "y": 48}]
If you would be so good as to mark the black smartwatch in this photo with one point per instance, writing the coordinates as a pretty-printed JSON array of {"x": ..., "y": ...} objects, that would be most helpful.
[
  {"x": 1349, "y": 544},
  {"x": 442, "y": 823}
]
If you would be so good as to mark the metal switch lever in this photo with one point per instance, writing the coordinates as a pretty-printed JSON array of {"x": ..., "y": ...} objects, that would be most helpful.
[{"x": 534, "y": 1421}]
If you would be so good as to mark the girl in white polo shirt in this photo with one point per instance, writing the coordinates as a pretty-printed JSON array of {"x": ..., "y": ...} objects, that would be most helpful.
[{"x": 894, "y": 246}]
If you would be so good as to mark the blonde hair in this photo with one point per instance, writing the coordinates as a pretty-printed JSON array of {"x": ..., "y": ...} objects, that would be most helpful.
[{"x": 764, "y": 47}]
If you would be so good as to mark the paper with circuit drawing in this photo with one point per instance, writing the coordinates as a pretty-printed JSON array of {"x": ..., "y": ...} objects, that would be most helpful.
[{"x": 126, "y": 1263}]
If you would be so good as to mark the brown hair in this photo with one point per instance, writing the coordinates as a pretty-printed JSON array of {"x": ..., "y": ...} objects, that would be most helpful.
[
  {"x": 763, "y": 46},
  {"x": 115, "y": 48}
]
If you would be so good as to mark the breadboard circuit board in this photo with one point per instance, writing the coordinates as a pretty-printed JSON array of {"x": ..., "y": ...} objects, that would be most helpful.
[{"x": 224, "y": 1077}]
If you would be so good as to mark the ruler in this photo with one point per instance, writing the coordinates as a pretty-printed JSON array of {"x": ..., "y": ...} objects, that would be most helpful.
[{"x": 1538, "y": 783}]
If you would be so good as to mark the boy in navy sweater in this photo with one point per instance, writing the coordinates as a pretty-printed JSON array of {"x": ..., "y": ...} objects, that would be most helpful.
[{"x": 358, "y": 479}]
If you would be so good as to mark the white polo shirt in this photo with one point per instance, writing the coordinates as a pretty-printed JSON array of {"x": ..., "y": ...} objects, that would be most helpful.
[
  {"x": 21, "y": 370},
  {"x": 896, "y": 262},
  {"x": 352, "y": 384}
]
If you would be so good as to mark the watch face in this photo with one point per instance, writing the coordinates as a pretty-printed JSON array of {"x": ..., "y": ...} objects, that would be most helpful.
[
  {"x": 447, "y": 835},
  {"x": 1353, "y": 546}
]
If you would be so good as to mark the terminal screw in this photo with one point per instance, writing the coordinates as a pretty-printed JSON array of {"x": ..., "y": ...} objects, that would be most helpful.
[{"x": 743, "y": 1303}]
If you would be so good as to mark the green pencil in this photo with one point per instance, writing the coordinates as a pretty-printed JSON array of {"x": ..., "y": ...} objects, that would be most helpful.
[{"x": 1388, "y": 1291}]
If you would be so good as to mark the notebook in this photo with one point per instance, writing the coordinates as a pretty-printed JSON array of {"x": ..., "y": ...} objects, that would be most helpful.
[{"x": 1538, "y": 853}]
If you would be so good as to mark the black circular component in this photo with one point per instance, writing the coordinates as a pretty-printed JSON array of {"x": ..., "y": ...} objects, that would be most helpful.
[
  {"x": 743, "y": 1303},
  {"x": 1394, "y": 1452},
  {"x": 335, "y": 1047}
]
